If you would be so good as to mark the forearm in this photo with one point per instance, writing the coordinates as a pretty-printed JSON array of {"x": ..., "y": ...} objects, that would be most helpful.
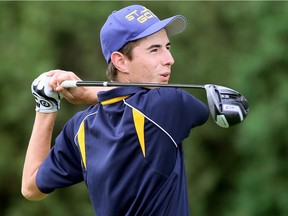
[
  {"x": 82, "y": 95},
  {"x": 38, "y": 149}
]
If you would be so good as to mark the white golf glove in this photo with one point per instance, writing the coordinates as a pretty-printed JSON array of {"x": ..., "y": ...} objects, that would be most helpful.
[{"x": 46, "y": 101}]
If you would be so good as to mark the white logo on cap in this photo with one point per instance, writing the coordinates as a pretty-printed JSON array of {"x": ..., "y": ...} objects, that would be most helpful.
[{"x": 141, "y": 16}]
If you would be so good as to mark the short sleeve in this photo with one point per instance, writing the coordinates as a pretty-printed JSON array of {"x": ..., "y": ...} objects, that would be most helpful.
[
  {"x": 175, "y": 110},
  {"x": 62, "y": 167}
]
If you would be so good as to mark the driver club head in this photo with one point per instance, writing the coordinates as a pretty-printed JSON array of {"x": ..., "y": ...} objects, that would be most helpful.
[{"x": 227, "y": 106}]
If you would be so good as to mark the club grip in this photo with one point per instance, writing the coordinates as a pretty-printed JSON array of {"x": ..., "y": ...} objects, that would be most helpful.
[{"x": 69, "y": 84}]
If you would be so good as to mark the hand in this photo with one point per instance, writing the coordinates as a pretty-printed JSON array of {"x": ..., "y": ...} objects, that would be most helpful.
[
  {"x": 47, "y": 101},
  {"x": 73, "y": 95}
]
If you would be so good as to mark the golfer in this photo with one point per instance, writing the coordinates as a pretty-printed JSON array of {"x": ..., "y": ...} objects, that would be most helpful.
[{"x": 127, "y": 146}]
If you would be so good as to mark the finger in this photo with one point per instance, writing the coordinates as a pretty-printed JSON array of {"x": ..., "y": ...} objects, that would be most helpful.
[
  {"x": 53, "y": 72},
  {"x": 69, "y": 96},
  {"x": 57, "y": 76},
  {"x": 53, "y": 80}
]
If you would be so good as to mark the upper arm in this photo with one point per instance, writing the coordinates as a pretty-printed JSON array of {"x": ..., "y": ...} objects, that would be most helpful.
[
  {"x": 177, "y": 111},
  {"x": 62, "y": 167}
]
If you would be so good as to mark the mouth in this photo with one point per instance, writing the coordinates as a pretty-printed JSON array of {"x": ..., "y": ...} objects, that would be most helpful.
[{"x": 165, "y": 76}]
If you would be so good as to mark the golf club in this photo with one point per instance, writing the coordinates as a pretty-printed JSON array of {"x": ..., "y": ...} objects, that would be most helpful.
[{"x": 227, "y": 106}]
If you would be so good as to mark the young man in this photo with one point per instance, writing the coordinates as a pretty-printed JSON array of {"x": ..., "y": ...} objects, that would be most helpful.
[{"x": 128, "y": 146}]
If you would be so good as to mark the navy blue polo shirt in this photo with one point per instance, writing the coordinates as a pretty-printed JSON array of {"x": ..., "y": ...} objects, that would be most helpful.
[{"x": 128, "y": 150}]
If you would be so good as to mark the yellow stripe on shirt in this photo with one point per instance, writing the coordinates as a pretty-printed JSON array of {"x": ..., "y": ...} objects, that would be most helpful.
[
  {"x": 114, "y": 100},
  {"x": 81, "y": 141},
  {"x": 139, "y": 126}
]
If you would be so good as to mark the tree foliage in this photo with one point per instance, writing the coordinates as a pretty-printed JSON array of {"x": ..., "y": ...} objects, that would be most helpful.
[{"x": 240, "y": 171}]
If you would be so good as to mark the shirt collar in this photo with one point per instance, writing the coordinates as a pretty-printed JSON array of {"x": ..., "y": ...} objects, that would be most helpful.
[{"x": 118, "y": 92}]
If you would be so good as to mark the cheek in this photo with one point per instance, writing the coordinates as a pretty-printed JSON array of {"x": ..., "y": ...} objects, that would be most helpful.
[
  {"x": 139, "y": 67},
  {"x": 145, "y": 64},
  {"x": 140, "y": 71},
  {"x": 143, "y": 68}
]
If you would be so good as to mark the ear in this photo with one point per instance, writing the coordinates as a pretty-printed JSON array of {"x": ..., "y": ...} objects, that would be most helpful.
[{"x": 119, "y": 60}]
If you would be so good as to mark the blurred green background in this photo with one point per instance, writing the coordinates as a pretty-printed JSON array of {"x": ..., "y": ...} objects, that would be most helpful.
[{"x": 240, "y": 171}]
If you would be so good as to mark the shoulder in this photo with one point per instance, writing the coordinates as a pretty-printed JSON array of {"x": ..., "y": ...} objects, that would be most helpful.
[
  {"x": 172, "y": 102},
  {"x": 162, "y": 97},
  {"x": 74, "y": 123},
  {"x": 172, "y": 96}
]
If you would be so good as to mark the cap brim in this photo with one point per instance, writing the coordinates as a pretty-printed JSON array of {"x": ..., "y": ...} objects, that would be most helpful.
[{"x": 173, "y": 26}]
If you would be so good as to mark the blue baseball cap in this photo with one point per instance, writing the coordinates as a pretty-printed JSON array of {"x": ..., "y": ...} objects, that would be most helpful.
[{"x": 132, "y": 23}]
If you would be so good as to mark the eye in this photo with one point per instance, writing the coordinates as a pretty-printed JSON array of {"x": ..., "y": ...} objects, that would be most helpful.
[{"x": 153, "y": 50}]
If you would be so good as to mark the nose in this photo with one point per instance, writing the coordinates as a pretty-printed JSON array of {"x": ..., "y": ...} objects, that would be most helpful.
[{"x": 168, "y": 58}]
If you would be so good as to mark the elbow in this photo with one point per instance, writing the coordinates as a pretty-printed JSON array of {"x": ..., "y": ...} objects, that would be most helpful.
[
  {"x": 32, "y": 194},
  {"x": 28, "y": 194}
]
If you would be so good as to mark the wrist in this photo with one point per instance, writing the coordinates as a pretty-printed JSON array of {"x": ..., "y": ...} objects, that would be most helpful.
[
  {"x": 43, "y": 125},
  {"x": 46, "y": 117}
]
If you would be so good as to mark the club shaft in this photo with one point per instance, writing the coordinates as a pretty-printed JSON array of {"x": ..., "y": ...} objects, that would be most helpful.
[{"x": 73, "y": 83}]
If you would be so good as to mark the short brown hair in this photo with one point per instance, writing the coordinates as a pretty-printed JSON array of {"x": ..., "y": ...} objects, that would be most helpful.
[{"x": 127, "y": 51}]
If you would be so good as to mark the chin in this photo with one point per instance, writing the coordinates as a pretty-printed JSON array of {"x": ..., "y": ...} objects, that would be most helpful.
[{"x": 164, "y": 81}]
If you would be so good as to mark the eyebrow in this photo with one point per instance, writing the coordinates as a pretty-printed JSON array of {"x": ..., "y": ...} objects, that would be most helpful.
[{"x": 158, "y": 46}]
